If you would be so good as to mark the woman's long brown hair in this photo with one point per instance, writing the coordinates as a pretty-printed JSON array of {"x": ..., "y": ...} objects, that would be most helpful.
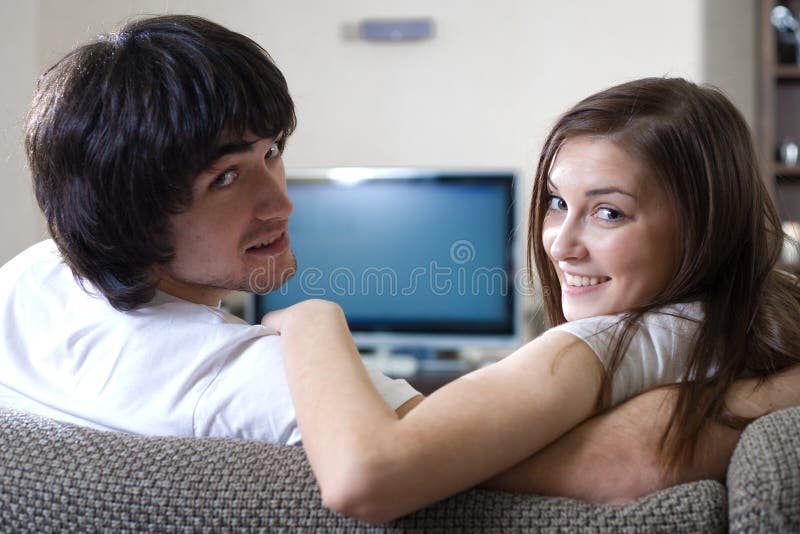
[{"x": 699, "y": 150}]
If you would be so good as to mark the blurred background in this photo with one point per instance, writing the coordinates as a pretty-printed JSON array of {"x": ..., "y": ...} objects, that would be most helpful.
[{"x": 482, "y": 92}]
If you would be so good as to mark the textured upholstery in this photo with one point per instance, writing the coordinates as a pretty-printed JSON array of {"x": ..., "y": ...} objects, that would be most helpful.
[
  {"x": 55, "y": 476},
  {"x": 764, "y": 476}
]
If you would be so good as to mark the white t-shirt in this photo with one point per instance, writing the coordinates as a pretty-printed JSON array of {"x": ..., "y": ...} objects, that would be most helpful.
[
  {"x": 657, "y": 352},
  {"x": 171, "y": 367}
]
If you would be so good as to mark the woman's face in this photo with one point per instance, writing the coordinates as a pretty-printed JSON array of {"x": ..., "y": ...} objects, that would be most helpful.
[{"x": 608, "y": 229}]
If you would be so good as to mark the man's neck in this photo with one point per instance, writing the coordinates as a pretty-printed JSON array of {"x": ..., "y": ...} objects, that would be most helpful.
[{"x": 208, "y": 296}]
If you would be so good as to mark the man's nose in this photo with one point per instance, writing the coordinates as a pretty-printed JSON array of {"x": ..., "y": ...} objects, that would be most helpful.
[{"x": 273, "y": 197}]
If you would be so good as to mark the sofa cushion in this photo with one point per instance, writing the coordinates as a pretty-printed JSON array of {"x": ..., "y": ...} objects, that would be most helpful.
[
  {"x": 55, "y": 476},
  {"x": 764, "y": 475}
]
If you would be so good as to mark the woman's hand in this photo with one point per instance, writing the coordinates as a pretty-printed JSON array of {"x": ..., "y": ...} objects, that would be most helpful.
[{"x": 304, "y": 313}]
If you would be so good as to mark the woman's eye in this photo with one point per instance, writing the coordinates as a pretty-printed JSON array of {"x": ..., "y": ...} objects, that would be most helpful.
[
  {"x": 273, "y": 152},
  {"x": 609, "y": 214},
  {"x": 225, "y": 179},
  {"x": 556, "y": 203}
]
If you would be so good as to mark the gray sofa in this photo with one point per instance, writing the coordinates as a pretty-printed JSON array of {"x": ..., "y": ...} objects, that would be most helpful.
[{"x": 56, "y": 476}]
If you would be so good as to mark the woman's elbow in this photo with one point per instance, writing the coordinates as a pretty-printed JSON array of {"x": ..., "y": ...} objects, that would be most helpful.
[
  {"x": 356, "y": 504},
  {"x": 357, "y": 489}
]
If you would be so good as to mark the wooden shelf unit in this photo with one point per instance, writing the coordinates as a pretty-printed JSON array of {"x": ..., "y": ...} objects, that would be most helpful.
[
  {"x": 779, "y": 113},
  {"x": 787, "y": 72},
  {"x": 785, "y": 171}
]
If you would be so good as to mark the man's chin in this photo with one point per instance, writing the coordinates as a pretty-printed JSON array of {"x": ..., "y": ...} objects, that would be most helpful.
[{"x": 266, "y": 279}]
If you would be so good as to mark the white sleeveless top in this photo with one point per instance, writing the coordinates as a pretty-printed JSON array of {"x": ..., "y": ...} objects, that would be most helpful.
[{"x": 657, "y": 352}]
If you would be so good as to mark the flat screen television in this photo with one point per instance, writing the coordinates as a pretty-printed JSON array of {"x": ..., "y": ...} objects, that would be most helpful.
[{"x": 419, "y": 259}]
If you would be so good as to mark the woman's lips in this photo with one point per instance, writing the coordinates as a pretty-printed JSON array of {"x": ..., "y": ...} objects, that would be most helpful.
[{"x": 573, "y": 284}]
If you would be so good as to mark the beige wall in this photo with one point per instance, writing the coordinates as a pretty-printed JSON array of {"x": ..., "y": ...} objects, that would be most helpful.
[
  {"x": 482, "y": 93},
  {"x": 20, "y": 223},
  {"x": 730, "y": 51}
]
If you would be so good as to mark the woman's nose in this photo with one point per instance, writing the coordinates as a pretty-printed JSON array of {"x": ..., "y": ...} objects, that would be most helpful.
[{"x": 568, "y": 240}]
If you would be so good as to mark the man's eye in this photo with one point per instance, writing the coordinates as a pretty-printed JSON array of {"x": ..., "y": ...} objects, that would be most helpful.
[
  {"x": 273, "y": 152},
  {"x": 557, "y": 203},
  {"x": 609, "y": 214},
  {"x": 225, "y": 179}
]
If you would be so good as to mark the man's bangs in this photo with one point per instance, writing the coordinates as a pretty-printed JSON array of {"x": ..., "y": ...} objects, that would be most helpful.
[{"x": 262, "y": 114}]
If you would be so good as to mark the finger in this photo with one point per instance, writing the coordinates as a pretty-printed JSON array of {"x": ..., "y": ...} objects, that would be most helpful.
[{"x": 272, "y": 320}]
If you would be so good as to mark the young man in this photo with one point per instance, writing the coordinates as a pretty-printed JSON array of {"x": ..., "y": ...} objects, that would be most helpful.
[{"x": 156, "y": 159}]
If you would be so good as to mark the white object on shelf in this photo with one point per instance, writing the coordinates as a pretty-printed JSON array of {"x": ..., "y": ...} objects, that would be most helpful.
[{"x": 790, "y": 254}]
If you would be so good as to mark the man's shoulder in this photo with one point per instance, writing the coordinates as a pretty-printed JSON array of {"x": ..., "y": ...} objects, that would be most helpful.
[
  {"x": 38, "y": 270},
  {"x": 39, "y": 282},
  {"x": 164, "y": 305},
  {"x": 44, "y": 252},
  {"x": 207, "y": 328}
]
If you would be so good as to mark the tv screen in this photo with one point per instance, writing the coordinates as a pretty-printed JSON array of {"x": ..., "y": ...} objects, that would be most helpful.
[{"x": 415, "y": 257}]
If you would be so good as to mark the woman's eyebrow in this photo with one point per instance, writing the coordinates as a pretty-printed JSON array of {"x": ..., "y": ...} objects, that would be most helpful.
[
  {"x": 597, "y": 191},
  {"x": 607, "y": 191}
]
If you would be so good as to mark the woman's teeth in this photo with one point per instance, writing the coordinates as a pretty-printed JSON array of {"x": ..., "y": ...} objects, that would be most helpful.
[{"x": 584, "y": 280}]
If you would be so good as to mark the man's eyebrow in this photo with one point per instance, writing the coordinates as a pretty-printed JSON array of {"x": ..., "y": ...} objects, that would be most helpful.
[{"x": 233, "y": 147}]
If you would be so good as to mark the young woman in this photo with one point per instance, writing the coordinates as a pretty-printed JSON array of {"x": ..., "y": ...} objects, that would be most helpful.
[{"x": 655, "y": 243}]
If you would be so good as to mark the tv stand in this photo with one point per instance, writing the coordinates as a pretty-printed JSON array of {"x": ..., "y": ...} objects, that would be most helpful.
[
  {"x": 393, "y": 364},
  {"x": 426, "y": 374}
]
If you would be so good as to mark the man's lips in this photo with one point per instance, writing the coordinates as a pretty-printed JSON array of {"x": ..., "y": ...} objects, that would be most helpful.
[
  {"x": 265, "y": 234},
  {"x": 267, "y": 240},
  {"x": 271, "y": 245}
]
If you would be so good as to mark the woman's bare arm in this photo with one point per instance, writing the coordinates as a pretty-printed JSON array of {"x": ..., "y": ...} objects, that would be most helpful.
[
  {"x": 373, "y": 466},
  {"x": 613, "y": 457}
]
